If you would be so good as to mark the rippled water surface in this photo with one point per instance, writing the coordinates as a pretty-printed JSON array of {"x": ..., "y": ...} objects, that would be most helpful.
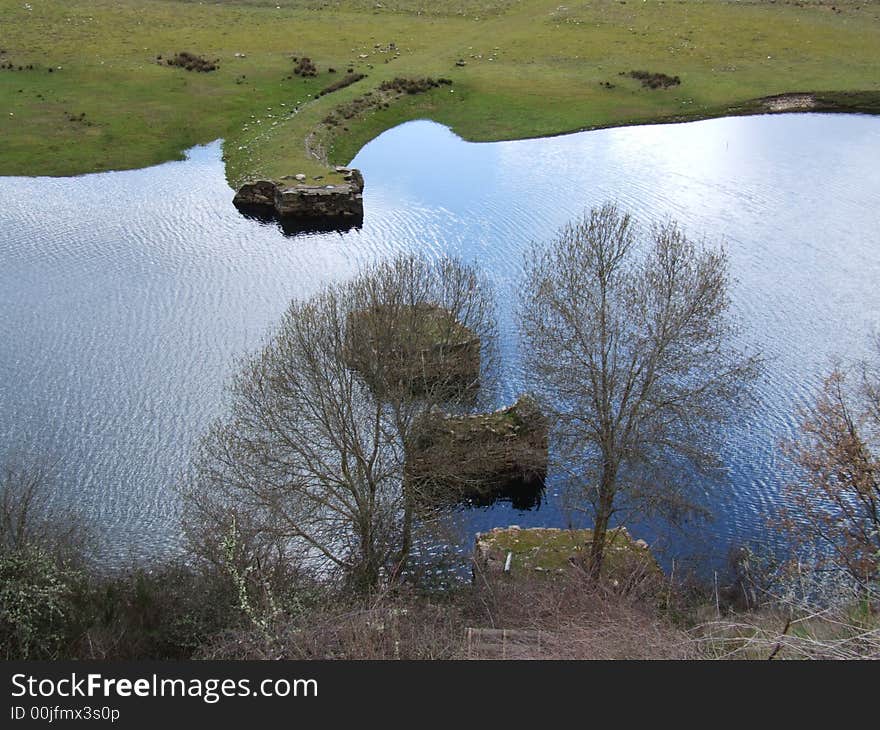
[{"x": 125, "y": 297}]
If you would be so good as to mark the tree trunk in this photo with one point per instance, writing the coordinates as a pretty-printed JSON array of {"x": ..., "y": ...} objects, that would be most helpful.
[
  {"x": 600, "y": 526},
  {"x": 406, "y": 540},
  {"x": 366, "y": 573}
]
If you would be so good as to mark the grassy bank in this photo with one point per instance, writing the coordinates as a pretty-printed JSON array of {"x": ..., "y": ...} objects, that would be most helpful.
[{"x": 531, "y": 67}]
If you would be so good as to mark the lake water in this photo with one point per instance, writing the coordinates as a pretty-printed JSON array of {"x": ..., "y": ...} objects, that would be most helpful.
[{"x": 125, "y": 297}]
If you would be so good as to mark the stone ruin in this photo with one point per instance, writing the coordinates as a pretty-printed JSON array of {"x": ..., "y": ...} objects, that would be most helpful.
[
  {"x": 481, "y": 458},
  {"x": 413, "y": 350},
  {"x": 552, "y": 550},
  {"x": 292, "y": 200},
  {"x": 424, "y": 351}
]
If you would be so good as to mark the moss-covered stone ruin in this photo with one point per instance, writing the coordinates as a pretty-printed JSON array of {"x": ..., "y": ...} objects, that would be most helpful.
[
  {"x": 480, "y": 458},
  {"x": 419, "y": 350},
  {"x": 551, "y": 550},
  {"x": 424, "y": 351}
]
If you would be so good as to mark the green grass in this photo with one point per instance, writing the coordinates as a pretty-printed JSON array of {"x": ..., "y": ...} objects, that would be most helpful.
[
  {"x": 552, "y": 550},
  {"x": 532, "y": 69}
]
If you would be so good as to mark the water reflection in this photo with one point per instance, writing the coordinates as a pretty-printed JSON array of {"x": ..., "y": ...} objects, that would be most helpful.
[
  {"x": 298, "y": 227},
  {"x": 125, "y": 297}
]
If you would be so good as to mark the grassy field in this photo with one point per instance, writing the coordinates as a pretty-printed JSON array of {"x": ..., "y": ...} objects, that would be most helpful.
[{"x": 531, "y": 67}]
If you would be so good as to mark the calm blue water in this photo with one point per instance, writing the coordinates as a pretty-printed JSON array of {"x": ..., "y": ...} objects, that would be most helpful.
[{"x": 125, "y": 297}]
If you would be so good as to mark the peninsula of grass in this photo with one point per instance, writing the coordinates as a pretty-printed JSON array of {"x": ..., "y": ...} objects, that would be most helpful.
[{"x": 519, "y": 68}]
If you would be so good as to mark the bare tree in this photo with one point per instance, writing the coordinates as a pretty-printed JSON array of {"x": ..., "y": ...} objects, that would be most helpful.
[
  {"x": 423, "y": 335},
  {"x": 834, "y": 506},
  {"x": 632, "y": 343},
  {"x": 28, "y": 519},
  {"x": 22, "y": 506},
  {"x": 311, "y": 460}
]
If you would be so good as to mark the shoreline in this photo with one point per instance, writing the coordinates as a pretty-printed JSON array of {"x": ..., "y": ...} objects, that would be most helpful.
[
  {"x": 532, "y": 69},
  {"x": 866, "y": 102},
  {"x": 856, "y": 102},
  {"x": 822, "y": 102}
]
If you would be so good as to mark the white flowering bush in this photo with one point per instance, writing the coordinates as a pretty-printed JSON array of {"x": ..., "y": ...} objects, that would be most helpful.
[{"x": 36, "y": 603}]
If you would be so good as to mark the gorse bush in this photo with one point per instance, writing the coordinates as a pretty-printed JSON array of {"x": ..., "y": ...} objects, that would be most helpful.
[{"x": 165, "y": 612}]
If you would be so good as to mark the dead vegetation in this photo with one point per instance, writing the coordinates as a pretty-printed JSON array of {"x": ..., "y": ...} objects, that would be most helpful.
[
  {"x": 825, "y": 634},
  {"x": 404, "y": 85},
  {"x": 573, "y": 620},
  {"x": 305, "y": 67},
  {"x": 537, "y": 617},
  {"x": 797, "y": 610},
  {"x": 400, "y": 626},
  {"x": 346, "y": 80},
  {"x": 190, "y": 62},
  {"x": 652, "y": 80},
  {"x": 386, "y": 92}
]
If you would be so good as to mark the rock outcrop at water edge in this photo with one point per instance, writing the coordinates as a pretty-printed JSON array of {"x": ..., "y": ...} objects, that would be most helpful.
[{"x": 291, "y": 199}]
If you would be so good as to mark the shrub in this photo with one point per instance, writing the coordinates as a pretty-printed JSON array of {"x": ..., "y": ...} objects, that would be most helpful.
[
  {"x": 304, "y": 67},
  {"x": 413, "y": 85},
  {"x": 37, "y": 603},
  {"x": 192, "y": 62},
  {"x": 161, "y": 613},
  {"x": 347, "y": 80},
  {"x": 653, "y": 80}
]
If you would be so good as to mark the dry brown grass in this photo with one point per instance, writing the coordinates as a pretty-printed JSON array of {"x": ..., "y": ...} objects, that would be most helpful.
[
  {"x": 577, "y": 620},
  {"x": 387, "y": 627},
  {"x": 529, "y": 617},
  {"x": 788, "y": 627}
]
